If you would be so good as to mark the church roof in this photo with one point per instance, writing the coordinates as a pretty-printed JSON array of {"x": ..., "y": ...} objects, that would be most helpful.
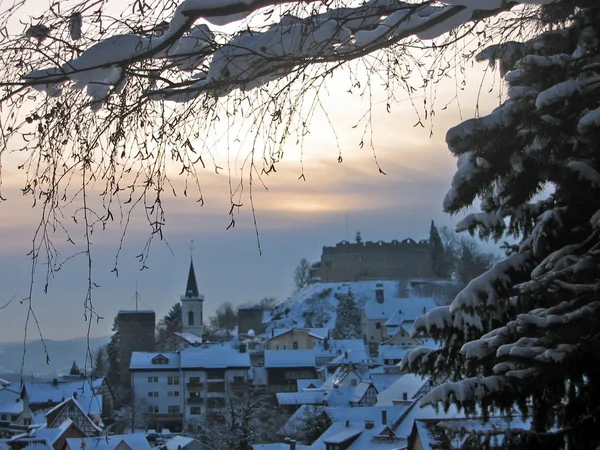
[{"x": 191, "y": 288}]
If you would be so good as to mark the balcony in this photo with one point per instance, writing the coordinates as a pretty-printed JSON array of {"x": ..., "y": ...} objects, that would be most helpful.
[
  {"x": 195, "y": 400},
  {"x": 195, "y": 385}
]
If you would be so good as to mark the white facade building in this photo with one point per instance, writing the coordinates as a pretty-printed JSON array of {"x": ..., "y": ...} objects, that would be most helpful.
[{"x": 171, "y": 389}]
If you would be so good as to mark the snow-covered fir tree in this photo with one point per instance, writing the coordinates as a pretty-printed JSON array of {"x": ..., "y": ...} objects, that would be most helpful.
[
  {"x": 347, "y": 323},
  {"x": 525, "y": 333}
]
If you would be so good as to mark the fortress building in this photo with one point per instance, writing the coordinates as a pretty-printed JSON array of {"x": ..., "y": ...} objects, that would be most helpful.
[
  {"x": 136, "y": 334},
  {"x": 396, "y": 260}
]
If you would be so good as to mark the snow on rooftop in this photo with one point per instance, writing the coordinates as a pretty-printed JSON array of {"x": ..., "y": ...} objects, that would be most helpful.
[
  {"x": 213, "y": 356},
  {"x": 408, "y": 384},
  {"x": 51, "y": 392},
  {"x": 135, "y": 441},
  {"x": 289, "y": 358},
  {"x": 307, "y": 383},
  {"x": 178, "y": 442},
  {"x": 344, "y": 436},
  {"x": 14, "y": 407},
  {"x": 143, "y": 360},
  {"x": 306, "y": 397},
  {"x": 190, "y": 337},
  {"x": 400, "y": 309}
]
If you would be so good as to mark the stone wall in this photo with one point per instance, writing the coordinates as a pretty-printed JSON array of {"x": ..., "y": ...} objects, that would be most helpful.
[
  {"x": 377, "y": 261},
  {"x": 137, "y": 334},
  {"x": 250, "y": 318}
]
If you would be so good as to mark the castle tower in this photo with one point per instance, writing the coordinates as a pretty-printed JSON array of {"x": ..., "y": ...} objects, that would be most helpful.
[
  {"x": 191, "y": 306},
  {"x": 136, "y": 334}
]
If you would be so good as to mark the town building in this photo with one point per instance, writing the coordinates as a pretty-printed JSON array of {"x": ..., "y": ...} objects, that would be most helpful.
[{"x": 296, "y": 339}]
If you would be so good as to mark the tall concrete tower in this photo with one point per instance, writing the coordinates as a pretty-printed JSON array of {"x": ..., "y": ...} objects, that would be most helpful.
[
  {"x": 191, "y": 306},
  {"x": 136, "y": 334}
]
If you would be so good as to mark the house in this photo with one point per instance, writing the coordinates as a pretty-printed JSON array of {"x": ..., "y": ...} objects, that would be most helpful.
[
  {"x": 42, "y": 395},
  {"x": 11, "y": 405},
  {"x": 70, "y": 409},
  {"x": 172, "y": 388},
  {"x": 58, "y": 436},
  {"x": 296, "y": 339},
  {"x": 399, "y": 336},
  {"x": 209, "y": 372},
  {"x": 156, "y": 387},
  {"x": 405, "y": 388},
  {"x": 135, "y": 441},
  {"x": 377, "y": 312},
  {"x": 285, "y": 367}
]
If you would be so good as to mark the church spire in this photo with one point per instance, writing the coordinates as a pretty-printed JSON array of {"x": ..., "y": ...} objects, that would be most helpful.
[{"x": 191, "y": 288}]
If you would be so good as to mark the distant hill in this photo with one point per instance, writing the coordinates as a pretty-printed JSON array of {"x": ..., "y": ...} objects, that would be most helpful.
[
  {"x": 61, "y": 356},
  {"x": 315, "y": 305}
]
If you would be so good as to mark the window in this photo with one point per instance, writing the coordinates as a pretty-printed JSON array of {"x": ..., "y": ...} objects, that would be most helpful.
[
  {"x": 191, "y": 318},
  {"x": 173, "y": 394},
  {"x": 153, "y": 409},
  {"x": 195, "y": 410},
  {"x": 216, "y": 387},
  {"x": 149, "y": 379},
  {"x": 295, "y": 346},
  {"x": 152, "y": 379},
  {"x": 194, "y": 379},
  {"x": 238, "y": 380},
  {"x": 378, "y": 325},
  {"x": 194, "y": 394},
  {"x": 153, "y": 394},
  {"x": 353, "y": 382},
  {"x": 173, "y": 409},
  {"x": 27, "y": 421},
  {"x": 176, "y": 393},
  {"x": 173, "y": 380},
  {"x": 3, "y": 417},
  {"x": 215, "y": 374}
]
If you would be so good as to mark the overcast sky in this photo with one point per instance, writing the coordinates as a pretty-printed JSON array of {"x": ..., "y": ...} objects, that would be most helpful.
[{"x": 295, "y": 220}]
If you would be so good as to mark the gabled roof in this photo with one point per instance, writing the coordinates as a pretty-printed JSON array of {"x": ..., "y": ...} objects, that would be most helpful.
[
  {"x": 361, "y": 390},
  {"x": 76, "y": 404},
  {"x": 306, "y": 397},
  {"x": 176, "y": 441},
  {"x": 320, "y": 333},
  {"x": 344, "y": 436},
  {"x": 53, "y": 434},
  {"x": 191, "y": 287},
  {"x": 408, "y": 384}
]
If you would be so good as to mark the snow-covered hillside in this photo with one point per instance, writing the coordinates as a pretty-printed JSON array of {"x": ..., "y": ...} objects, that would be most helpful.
[{"x": 314, "y": 306}]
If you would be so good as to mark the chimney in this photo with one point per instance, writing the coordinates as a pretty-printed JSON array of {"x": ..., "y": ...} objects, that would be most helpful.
[
  {"x": 404, "y": 396},
  {"x": 291, "y": 443},
  {"x": 383, "y": 417},
  {"x": 346, "y": 355},
  {"x": 347, "y": 423},
  {"x": 273, "y": 332},
  {"x": 369, "y": 424},
  {"x": 242, "y": 348}
]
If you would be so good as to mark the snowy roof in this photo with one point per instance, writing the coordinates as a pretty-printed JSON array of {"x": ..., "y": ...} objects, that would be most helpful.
[
  {"x": 351, "y": 357},
  {"x": 338, "y": 376},
  {"x": 76, "y": 403},
  {"x": 190, "y": 337},
  {"x": 50, "y": 392},
  {"x": 175, "y": 442},
  {"x": 344, "y": 436},
  {"x": 394, "y": 351},
  {"x": 136, "y": 441},
  {"x": 143, "y": 361},
  {"x": 400, "y": 309},
  {"x": 27, "y": 444},
  {"x": 289, "y": 358},
  {"x": 306, "y": 397},
  {"x": 52, "y": 434},
  {"x": 14, "y": 407},
  {"x": 360, "y": 391},
  {"x": 8, "y": 395},
  {"x": 213, "y": 356},
  {"x": 408, "y": 384}
]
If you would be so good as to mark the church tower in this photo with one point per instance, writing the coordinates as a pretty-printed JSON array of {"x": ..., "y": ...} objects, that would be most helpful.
[{"x": 191, "y": 306}]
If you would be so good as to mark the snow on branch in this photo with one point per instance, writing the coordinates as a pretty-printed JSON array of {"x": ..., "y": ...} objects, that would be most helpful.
[
  {"x": 465, "y": 391},
  {"x": 253, "y": 57}
]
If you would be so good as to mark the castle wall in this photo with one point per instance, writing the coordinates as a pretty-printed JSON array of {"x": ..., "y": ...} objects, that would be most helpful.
[
  {"x": 377, "y": 261},
  {"x": 250, "y": 319},
  {"x": 136, "y": 334}
]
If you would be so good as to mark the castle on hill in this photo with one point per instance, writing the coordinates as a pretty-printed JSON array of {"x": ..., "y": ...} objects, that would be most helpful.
[{"x": 396, "y": 260}]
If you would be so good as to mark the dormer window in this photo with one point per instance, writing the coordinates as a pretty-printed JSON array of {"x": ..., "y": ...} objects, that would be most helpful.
[
  {"x": 160, "y": 359},
  {"x": 191, "y": 318}
]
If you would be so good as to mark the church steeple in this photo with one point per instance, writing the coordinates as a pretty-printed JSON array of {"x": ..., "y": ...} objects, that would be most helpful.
[{"x": 191, "y": 288}]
